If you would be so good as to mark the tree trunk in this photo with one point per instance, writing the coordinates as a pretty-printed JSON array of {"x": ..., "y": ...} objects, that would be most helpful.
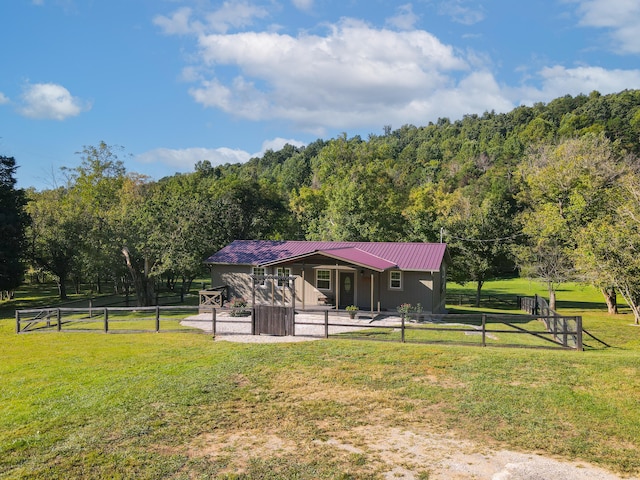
[
  {"x": 141, "y": 281},
  {"x": 610, "y": 299},
  {"x": 478, "y": 291},
  {"x": 552, "y": 299},
  {"x": 62, "y": 290}
]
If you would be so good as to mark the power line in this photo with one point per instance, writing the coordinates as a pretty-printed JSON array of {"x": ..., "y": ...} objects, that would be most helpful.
[{"x": 481, "y": 240}]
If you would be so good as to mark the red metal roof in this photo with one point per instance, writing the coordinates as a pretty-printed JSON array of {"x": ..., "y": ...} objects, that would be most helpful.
[{"x": 375, "y": 255}]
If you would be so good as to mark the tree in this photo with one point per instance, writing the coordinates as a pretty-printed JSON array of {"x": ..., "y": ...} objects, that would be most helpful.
[
  {"x": 12, "y": 225},
  {"x": 565, "y": 187},
  {"x": 137, "y": 232},
  {"x": 479, "y": 238},
  {"x": 55, "y": 234},
  {"x": 96, "y": 185}
]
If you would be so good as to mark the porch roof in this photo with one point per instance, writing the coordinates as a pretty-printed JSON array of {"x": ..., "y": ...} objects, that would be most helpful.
[
  {"x": 351, "y": 255},
  {"x": 378, "y": 256}
]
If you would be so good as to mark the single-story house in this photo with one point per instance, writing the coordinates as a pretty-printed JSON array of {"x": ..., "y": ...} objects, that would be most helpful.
[{"x": 370, "y": 275}]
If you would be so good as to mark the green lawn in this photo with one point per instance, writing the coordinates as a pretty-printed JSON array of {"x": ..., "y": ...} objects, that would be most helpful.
[{"x": 175, "y": 405}]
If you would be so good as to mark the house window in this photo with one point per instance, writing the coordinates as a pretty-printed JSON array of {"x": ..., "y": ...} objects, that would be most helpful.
[
  {"x": 283, "y": 272},
  {"x": 395, "y": 280},
  {"x": 259, "y": 271},
  {"x": 323, "y": 279}
]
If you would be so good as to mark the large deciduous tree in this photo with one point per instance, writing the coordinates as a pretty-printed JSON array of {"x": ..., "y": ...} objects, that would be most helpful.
[
  {"x": 566, "y": 187},
  {"x": 55, "y": 236}
]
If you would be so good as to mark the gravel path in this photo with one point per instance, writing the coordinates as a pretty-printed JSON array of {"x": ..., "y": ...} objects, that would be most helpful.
[{"x": 238, "y": 329}]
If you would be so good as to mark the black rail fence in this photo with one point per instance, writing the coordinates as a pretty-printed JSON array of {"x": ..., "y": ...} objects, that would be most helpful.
[
  {"x": 500, "y": 330},
  {"x": 540, "y": 327},
  {"x": 109, "y": 319}
]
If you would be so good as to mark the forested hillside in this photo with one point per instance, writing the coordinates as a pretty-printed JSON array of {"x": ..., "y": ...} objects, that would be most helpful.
[{"x": 551, "y": 191}]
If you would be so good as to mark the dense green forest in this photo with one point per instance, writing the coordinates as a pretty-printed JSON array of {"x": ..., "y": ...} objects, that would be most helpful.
[{"x": 550, "y": 191}]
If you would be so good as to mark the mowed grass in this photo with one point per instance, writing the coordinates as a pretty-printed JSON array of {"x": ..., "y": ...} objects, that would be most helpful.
[{"x": 176, "y": 405}]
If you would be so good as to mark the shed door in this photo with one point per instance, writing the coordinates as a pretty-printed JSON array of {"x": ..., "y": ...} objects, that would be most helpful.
[{"x": 347, "y": 288}]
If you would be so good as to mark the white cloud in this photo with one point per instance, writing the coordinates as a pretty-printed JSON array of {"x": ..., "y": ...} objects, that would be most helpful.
[
  {"x": 277, "y": 144},
  {"x": 178, "y": 23},
  {"x": 185, "y": 159},
  {"x": 231, "y": 14},
  {"x": 304, "y": 5},
  {"x": 405, "y": 18},
  {"x": 622, "y": 17},
  {"x": 558, "y": 81},
  {"x": 460, "y": 13},
  {"x": 3, "y": 99},
  {"x": 50, "y": 101},
  {"x": 353, "y": 75}
]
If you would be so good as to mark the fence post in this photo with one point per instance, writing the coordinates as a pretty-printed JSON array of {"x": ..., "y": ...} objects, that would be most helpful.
[
  {"x": 106, "y": 320},
  {"x": 157, "y": 318},
  {"x": 59, "y": 319},
  {"x": 484, "y": 330},
  {"x": 253, "y": 319},
  {"x": 579, "y": 333},
  {"x": 17, "y": 321},
  {"x": 564, "y": 331},
  {"x": 402, "y": 330},
  {"x": 213, "y": 321},
  {"x": 326, "y": 324}
]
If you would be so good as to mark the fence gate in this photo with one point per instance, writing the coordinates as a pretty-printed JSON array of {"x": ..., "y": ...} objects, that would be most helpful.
[{"x": 274, "y": 319}]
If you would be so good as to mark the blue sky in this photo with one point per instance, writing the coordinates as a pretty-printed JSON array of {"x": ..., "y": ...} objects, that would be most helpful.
[{"x": 177, "y": 81}]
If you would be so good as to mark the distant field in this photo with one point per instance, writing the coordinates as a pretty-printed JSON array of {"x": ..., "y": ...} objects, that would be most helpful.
[{"x": 170, "y": 405}]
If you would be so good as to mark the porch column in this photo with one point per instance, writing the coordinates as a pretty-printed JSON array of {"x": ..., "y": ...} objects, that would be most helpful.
[
  {"x": 303, "y": 289},
  {"x": 337, "y": 288},
  {"x": 372, "y": 295}
]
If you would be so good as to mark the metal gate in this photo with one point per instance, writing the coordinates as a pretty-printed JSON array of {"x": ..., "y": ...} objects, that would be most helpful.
[{"x": 274, "y": 319}]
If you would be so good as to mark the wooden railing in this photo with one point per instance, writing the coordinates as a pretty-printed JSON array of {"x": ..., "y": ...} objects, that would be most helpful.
[
  {"x": 213, "y": 298},
  {"x": 565, "y": 330}
]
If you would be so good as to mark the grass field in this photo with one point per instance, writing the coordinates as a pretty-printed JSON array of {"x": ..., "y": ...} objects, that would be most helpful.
[{"x": 172, "y": 405}]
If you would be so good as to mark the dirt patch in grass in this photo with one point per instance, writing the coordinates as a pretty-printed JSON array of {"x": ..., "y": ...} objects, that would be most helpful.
[
  {"x": 350, "y": 432},
  {"x": 392, "y": 453}
]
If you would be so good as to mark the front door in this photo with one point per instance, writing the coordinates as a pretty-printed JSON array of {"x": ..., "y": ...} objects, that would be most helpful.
[{"x": 347, "y": 287}]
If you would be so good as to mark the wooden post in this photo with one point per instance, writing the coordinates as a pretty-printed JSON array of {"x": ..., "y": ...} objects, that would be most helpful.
[
  {"x": 253, "y": 320},
  {"x": 157, "y": 318},
  {"x": 371, "y": 295},
  {"x": 326, "y": 324},
  {"x": 304, "y": 288},
  {"x": 213, "y": 321},
  {"x": 59, "y": 319},
  {"x": 337, "y": 287},
  {"x": 484, "y": 330},
  {"x": 292, "y": 284},
  {"x": 106, "y": 320},
  {"x": 564, "y": 331},
  {"x": 402, "y": 329},
  {"x": 17, "y": 321},
  {"x": 579, "y": 345}
]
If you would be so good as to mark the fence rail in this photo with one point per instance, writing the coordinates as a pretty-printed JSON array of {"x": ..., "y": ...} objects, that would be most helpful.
[
  {"x": 478, "y": 329},
  {"x": 532, "y": 330},
  {"x": 567, "y": 330},
  {"x": 107, "y": 319}
]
